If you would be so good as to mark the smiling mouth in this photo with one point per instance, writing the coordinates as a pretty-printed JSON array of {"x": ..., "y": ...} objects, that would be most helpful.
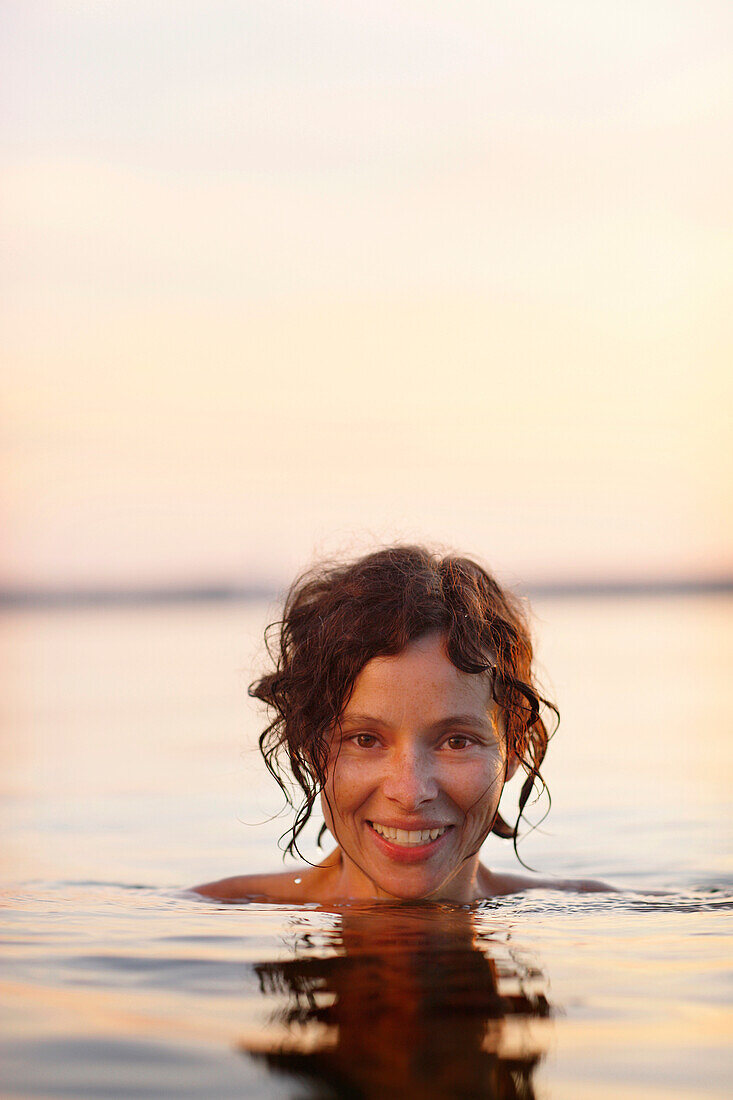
[{"x": 411, "y": 838}]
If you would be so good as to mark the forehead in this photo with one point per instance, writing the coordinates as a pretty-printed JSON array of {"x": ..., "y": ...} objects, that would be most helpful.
[{"x": 421, "y": 678}]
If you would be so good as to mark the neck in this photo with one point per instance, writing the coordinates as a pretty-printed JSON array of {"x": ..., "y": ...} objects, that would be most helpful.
[{"x": 349, "y": 882}]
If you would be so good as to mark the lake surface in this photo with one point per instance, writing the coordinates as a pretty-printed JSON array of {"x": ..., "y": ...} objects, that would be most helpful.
[{"x": 130, "y": 772}]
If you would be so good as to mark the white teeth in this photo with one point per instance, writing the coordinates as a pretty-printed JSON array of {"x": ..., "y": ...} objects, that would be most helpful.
[{"x": 408, "y": 837}]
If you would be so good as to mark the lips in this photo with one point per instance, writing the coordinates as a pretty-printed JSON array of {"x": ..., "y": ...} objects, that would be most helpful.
[
  {"x": 408, "y": 838},
  {"x": 404, "y": 850}
]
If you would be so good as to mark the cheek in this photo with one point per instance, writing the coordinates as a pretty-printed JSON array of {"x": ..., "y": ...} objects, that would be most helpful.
[
  {"x": 477, "y": 790},
  {"x": 348, "y": 783}
]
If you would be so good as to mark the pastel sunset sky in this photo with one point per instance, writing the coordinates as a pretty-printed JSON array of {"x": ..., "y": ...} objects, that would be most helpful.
[{"x": 289, "y": 278}]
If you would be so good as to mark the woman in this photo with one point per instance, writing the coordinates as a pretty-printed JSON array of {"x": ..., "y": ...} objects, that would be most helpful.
[{"x": 403, "y": 696}]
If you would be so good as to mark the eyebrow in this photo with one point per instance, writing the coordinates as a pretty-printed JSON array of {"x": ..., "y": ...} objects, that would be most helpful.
[{"x": 475, "y": 721}]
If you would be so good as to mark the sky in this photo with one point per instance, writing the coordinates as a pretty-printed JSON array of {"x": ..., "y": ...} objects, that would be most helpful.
[{"x": 284, "y": 280}]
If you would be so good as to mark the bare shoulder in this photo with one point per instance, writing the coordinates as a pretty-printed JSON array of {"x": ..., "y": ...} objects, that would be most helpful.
[
  {"x": 301, "y": 885},
  {"x": 282, "y": 886},
  {"x": 496, "y": 884}
]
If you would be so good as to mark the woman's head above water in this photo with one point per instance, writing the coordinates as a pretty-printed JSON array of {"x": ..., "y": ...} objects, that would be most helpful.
[{"x": 403, "y": 696}]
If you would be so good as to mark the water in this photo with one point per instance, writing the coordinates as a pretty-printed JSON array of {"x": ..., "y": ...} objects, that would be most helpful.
[{"x": 130, "y": 772}]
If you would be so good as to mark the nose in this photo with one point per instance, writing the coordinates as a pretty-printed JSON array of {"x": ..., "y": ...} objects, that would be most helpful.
[{"x": 410, "y": 780}]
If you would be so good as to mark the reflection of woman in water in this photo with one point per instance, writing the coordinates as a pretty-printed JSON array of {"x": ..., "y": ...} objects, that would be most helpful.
[
  {"x": 403, "y": 695},
  {"x": 408, "y": 1004}
]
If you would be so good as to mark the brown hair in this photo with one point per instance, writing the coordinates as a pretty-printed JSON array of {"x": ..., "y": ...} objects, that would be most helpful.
[{"x": 338, "y": 617}]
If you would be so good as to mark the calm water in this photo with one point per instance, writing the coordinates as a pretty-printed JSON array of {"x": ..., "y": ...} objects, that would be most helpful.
[{"x": 129, "y": 772}]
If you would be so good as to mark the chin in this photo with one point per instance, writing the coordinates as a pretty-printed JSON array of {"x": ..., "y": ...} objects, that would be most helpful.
[{"x": 420, "y": 890}]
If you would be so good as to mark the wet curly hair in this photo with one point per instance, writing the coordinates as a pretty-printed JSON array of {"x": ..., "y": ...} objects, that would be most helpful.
[{"x": 337, "y": 617}]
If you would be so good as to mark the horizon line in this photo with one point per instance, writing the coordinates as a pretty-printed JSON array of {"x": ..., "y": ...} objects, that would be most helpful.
[{"x": 22, "y": 597}]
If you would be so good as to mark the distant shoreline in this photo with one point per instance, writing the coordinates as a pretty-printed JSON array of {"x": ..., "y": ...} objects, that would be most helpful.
[{"x": 155, "y": 595}]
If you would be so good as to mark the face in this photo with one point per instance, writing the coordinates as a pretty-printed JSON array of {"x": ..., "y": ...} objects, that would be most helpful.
[{"x": 416, "y": 770}]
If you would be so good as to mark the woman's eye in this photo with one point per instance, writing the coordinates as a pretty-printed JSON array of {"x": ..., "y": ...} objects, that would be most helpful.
[
  {"x": 364, "y": 740},
  {"x": 458, "y": 741}
]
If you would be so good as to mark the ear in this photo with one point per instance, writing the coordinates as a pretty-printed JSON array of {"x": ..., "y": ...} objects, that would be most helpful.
[
  {"x": 513, "y": 760},
  {"x": 511, "y": 766}
]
